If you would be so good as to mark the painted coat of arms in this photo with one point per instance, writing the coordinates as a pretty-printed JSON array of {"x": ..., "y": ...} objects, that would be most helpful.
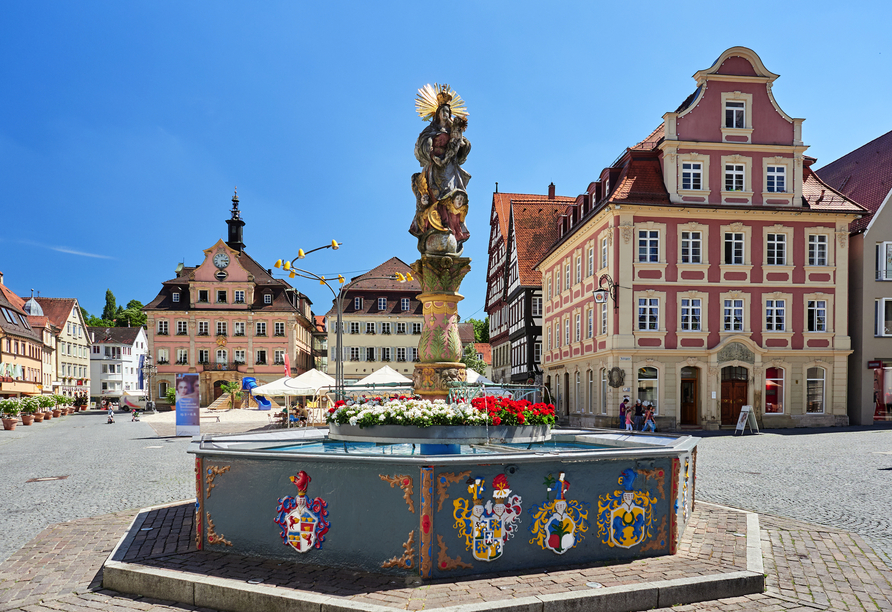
[
  {"x": 303, "y": 523},
  {"x": 559, "y": 524},
  {"x": 625, "y": 517},
  {"x": 486, "y": 528}
]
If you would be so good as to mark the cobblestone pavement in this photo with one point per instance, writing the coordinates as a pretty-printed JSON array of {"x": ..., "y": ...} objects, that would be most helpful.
[{"x": 839, "y": 478}]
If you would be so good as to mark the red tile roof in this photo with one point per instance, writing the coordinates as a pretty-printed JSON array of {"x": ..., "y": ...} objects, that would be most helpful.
[
  {"x": 502, "y": 203},
  {"x": 653, "y": 139},
  {"x": 114, "y": 335},
  {"x": 320, "y": 322},
  {"x": 466, "y": 333},
  {"x": 641, "y": 181},
  {"x": 818, "y": 195},
  {"x": 535, "y": 230},
  {"x": 14, "y": 299},
  {"x": 484, "y": 348},
  {"x": 57, "y": 310},
  {"x": 864, "y": 175}
]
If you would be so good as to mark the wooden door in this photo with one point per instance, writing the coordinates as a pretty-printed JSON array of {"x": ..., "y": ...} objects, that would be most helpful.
[
  {"x": 689, "y": 402},
  {"x": 218, "y": 388},
  {"x": 733, "y": 397}
]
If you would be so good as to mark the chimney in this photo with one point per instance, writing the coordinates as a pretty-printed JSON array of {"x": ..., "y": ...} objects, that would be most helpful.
[
  {"x": 551, "y": 191},
  {"x": 1, "y": 278}
]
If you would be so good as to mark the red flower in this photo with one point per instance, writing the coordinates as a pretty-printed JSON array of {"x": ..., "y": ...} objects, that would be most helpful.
[{"x": 496, "y": 421}]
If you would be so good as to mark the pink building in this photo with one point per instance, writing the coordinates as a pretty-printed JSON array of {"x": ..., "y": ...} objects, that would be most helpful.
[
  {"x": 727, "y": 258},
  {"x": 227, "y": 318}
]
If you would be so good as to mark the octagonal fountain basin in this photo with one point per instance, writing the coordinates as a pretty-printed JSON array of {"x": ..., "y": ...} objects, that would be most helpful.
[{"x": 583, "y": 496}]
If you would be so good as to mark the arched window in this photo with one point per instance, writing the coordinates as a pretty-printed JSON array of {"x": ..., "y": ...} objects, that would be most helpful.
[
  {"x": 814, "y": 390},
  {"x": 648, "y": 386},
  {"x": 591, "y": 392},
  {"x": 603, "y": 390},
  {"x": 578, "y": 390},
  {"x": 774, "y": 390},
  {"x": 221, "y": 355}
]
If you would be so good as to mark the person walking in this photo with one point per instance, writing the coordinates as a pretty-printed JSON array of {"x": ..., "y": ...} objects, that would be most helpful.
[
  {"x": 649, "y": 423},
  {"x": 629, "y": 420},
  {"x": 622, "y": 413},
  {"x": 639, "y": 415}
]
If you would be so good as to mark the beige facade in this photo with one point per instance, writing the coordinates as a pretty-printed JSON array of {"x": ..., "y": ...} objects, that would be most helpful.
[{"x": 72, "y": 354}]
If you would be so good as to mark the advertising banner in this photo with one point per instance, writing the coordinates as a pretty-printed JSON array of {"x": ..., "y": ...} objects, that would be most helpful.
[{"x": 188, "y": 423}]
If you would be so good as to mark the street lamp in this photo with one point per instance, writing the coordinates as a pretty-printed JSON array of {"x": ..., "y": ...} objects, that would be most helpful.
[{"x": 148, "y": 370}]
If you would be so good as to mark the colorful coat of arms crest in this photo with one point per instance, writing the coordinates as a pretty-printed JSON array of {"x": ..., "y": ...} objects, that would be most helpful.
[
  {"x": 625, "y": 518},
  {"x": 559, "y": 524},
  {"x": 486, "y": 528},
  {"x": 303, "y": 524}
]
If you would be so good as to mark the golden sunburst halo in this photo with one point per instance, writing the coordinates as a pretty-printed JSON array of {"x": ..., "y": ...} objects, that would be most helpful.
[{"x": 430, "y": 97}]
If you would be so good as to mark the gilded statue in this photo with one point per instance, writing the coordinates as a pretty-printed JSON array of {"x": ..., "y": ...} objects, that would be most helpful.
[{"x": 441, "y": 197}]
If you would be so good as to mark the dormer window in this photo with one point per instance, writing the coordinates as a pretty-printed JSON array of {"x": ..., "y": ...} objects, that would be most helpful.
[
  {"x": 692, "y": 176},
  {"x": 267, "y": 298},
  {"x": 735, "y": 114},
  {"x": 382, "y": 303},
  {"x": 175, "y": 297},
  {"x": 357, "y": 303}
]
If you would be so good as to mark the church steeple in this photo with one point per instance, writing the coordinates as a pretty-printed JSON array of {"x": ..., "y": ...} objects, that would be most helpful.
[{"x": 235, "y": 226}]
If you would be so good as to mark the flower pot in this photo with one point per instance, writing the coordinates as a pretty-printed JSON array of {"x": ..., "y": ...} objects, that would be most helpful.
[
  {"x": 9, "y": 424},
  {"x": 57, "y": 412},
  {"x": 38, "y": 417},
  {"x": 27, "y": 419},
  {"x": 48, "y": 415}
]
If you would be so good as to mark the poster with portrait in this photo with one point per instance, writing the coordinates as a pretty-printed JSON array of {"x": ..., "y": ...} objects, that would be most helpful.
[{"x": 188, "y": 423}]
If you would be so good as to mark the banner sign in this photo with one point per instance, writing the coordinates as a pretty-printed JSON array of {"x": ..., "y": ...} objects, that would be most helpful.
[{"x": 188, "y": 423}]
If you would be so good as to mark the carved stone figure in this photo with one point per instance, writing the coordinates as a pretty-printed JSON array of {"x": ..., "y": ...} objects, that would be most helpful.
[{"x": 441, "y": 197}]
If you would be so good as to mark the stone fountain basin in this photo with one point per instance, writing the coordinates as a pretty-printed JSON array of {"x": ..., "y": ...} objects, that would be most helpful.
[{"x": 441, "y": 434}]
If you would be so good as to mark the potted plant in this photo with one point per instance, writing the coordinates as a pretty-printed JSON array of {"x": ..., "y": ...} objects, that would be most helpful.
[
  {"x": 29, "y": 406},
  {"x": 234, "y": 390},
  {"x": 9, "y": 408},
  {"x": 44, "y": 402}
]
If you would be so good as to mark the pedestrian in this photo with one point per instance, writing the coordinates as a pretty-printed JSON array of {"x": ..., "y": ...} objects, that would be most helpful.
[
  {"x": 111, "y": 415},
  {"x": 134, "y": 415},
  {"x": 622, "y": 412},
  {"x": 628, "y": 420},
  {"x": 649, "y": 424},
  {"x": 639, "y": 415}
]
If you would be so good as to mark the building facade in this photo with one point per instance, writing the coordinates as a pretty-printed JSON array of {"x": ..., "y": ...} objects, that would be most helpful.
[
  {"x": 381, "y": 323},
  {"x": 865, "y": 176},
  {"x": 21, "y": 348},
  {"x": 72, "y": 350},
  {"x": 725, "y": 260},
  {"x": 117, "y": 358},
  {"x": 227, "y": 318}
]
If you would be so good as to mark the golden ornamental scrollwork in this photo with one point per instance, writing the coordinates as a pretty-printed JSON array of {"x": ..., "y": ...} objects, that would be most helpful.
[
  {"x": 213, "y": 472},
  {"x": 405, "y": 483},
  {"x": 444, "y": 561},
  {"x": 443, "y": 482},
  {"x": 213, "y": 536},
  {"x": 407, "y": 559}
]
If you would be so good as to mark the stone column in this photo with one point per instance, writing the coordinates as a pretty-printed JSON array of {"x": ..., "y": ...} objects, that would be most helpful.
[{"x": 439, "y": 349}]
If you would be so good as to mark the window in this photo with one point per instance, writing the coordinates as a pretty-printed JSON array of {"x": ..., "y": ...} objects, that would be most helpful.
[
  {"x": 578, "y": 268},
  {"x": 649, "y": 246},
  {"x": 370, "y": 353},
  {"x": 261, "y": 357},
  {"x": 883, "y": 317},
  {"x": 416, "y": 328},
  {"x": 204, "y": 356},
  {"x": 734, "y": 177},
  {"x": 382, "y": 303},
  {"x": 590, "y": 264},
  {"x": 385, "y": 328},
  {"x": 817, "y": 250},
  {"x": 279, "y": 328},
  {"x": 267, "y": 298},
  {"x": 692, "y": 176},
  {"x": 733, "y": 315},
  {"x": 239, "y": 328},
  {"x": 690, "y": 314},
  {"x": 401, "y": 328},
  {"x": 354, "y": 353},
  {"x": 648, "y": 386},
  {"x": 162, "y": 328},
  {"x": 404, "y": 304},
  {"x": 549, "y": 288},
  {"x": 577, "y": 393},
  {"x": 175, "y": 297},
  {"x": 203, "y": 295},
  {"x": 735, "y": 113},
  {"x": 162, "y": 389},
  {"x": 238, "y": 297},
  {"x": 776, "y": 179},
  {"x": 182, "y": 356},
  {"x": 414, "y": 352},
  {"x": 357, "y": 303},
  {"x": 814, "y": 390},
  {"x": 567, "y": 276},
  {"x": 221, "y": 328},
  {"x": 774, "y": 390},
  {"x": 578, "y": 327},
  {"x": 548, "y": 345},
  {"x": 776, "y": 254},
  {"x": 590, "y": 325},
  {"x": 260, "y": 328},
  {"x": 370, "y": 328},
  {"x": 566, "y": 332},
  {"x": 817, "y": 315},
  {"x": 884, "y": 261},
  {"x": 401, "y": 354},
  {"x": 537, "y": 352},
  {"x": 386, "y": 354},
  {"x": 221, "y": 356},
  {"x": 203, "y": 328},
  {"x": 221, "y": 296},
  {"x": 182, "y": 328},
  {"x": 734, "y": 248},
  {"x": 557, "y": 281},
  {"x": 604, "y": 313},
  {"x": 354, "y": 327},
  {"x": 774, "y": 315},
  {"x": 536, "y": 307},
  {"x": 691, "y": 247},
  {"x": 648, "y": 313},
  {"x": 279, "y": 357}
]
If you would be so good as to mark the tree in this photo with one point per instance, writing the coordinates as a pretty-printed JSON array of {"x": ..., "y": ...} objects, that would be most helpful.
[
  {"x": 481, "y": 329},
  {"x": 108, "y": 313},
  {"x": 471, "y": 360},
  {"x": 234, "y": 390}
]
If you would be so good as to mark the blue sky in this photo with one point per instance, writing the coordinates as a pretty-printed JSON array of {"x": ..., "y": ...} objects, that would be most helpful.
[{"x": 124, "y": 126}]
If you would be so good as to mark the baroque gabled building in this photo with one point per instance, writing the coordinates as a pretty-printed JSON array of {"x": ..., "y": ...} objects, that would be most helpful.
[
  {"x": 228, "y": 317},
  {"x": 726, "y": 261},
  {"x": 71, "y": 367},
  {"x": 522, "y": 226},
  {"x": 21, "y": 348}
]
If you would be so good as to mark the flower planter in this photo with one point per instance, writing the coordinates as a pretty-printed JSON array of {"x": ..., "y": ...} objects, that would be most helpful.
[
  {"x": 57, "y": 412},
  {"x": 441, "y": 434},
  {"x": 9, "y": 424},
  {"x": 27, "y": 419},
  {"x": 47, "y": 415},
  {"x": 38, "y": 417}
]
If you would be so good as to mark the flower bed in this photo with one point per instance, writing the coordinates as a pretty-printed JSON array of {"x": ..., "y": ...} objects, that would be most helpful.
[{"x": 407, "y": 411}]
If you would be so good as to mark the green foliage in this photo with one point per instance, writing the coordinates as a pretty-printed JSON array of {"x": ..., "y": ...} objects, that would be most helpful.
[
  {"x": 10, "y": 407},
  {"x": 481, "y": 329},
  {"x": 108, "y": 313},
  {"x": 471, "y": 360},
  {"x": 171, "y": 396},
  {"x": 30, "y": 404},
  {"x": 46, "y": 401},
  {"x": 234, "y": 389},
  {"x": 117, "y": 316}
]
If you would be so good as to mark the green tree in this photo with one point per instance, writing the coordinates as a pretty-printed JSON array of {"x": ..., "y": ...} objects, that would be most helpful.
[
  {"x": 481, "y": 329},
  {"x": 171, "y": 396},
  {"x": 234, "y": 390},
  {"x": 471, "y": 360},
  {"x": 108, "y": 313}
]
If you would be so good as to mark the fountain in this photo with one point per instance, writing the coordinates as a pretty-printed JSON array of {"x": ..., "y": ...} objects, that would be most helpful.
[{"x": 443, "y": 500}]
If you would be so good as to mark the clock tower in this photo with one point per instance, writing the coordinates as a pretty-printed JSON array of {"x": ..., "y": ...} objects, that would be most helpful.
[{"x": 235, "y": 226}]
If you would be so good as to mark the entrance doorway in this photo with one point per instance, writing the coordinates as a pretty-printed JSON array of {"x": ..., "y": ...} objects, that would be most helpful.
[
  {"x": 218, "y": 388},
  {"x": 734, "y": 388},
  {"x": 690, "y": 378},
  {"x": 566, "y": 399}
]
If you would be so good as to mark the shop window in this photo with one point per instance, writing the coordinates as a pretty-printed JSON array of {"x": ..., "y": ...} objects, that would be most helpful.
[
  {"x": 774, "y": 391},
  {"x": 814, "y": 390},
  {"x": 649, "y": 386}
]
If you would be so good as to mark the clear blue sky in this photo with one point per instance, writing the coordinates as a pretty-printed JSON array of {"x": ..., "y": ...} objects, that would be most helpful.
[{"x": 125, "y": 125}]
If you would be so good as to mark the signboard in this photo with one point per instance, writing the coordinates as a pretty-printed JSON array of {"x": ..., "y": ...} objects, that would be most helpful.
[
  {"x": 873, "y": 365},
  {"x": 188, "y": 423},
  {"x": 747, "y": 418},
  {"x": 600, "y": 297}
]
